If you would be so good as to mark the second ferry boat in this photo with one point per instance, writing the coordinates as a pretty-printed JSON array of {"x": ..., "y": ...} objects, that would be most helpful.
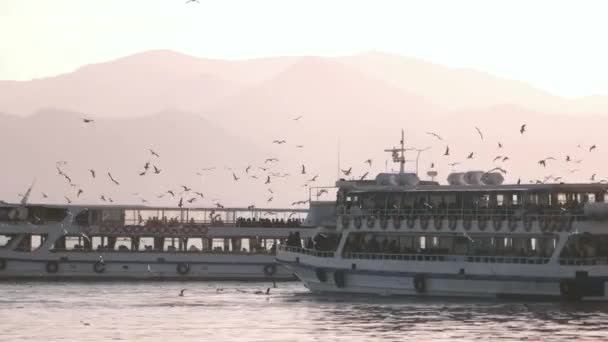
[
  {"x": 475, "y": 237},
  {"x": 40, "y": 241}
]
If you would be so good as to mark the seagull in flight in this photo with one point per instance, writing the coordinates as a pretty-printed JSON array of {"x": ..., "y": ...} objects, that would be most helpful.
[
  {"x": 187, "y": 2},
  {"x": 186, "y": 189},
  {"x": 92, "y": 173},
  {"x": 522, "y": 129},
  {"x": 479, "y": 131},
  {"x": 369, "y": 161},
  {"x": 498, "y": 169},
  {"x": 247, "y": 169},
  {"x": 154, "y": 153},
  {"x": 235, "y": 177},
  {"x": 112, "y": 179},
  {"x": 470, "y": 156},
  {"x": 435, "y": 135},
  {"x": 347, "y": 172},
  {"x": 156, "y": 170},
  {"x": 447, "y": 151},
  {"x": 593, "y": 147},
  {"x": 85, "y": 120},
  {"x": 267, "y": 180},
  {"x": 313, "y": 179},
  {"x": 364, "y": 176},
  {"x": 543, "y": 162},
  {"x": 68, "y": 199},
  {"x": 181, "y": 293},
  {"x": 269, "y": 160},
  {"x": 279, "y": 142},
  {"x": 499, "y": 144},
  {"x": 80, "y": 191},
  {"x": 200, "y": 194},
  {"x": 303, "y": 170},
  {"x": 297, "y": 118}
]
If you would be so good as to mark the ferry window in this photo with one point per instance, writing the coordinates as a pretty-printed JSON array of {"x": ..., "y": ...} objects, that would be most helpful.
[
  {"x": 484, "y": 201},
  {"x": 562, "y": 199},
  {"x": 515, "y": 199},
  {"x": 30, "y": 242},
  {"x": 422, "y": 242},
  {"x": 70, "y": 243},
  {"x": 591, "y": 198},
  {"x": 112, "y": 215},
  {"x": 500, "y": 200},
  {"x": 5, "y": 240}
]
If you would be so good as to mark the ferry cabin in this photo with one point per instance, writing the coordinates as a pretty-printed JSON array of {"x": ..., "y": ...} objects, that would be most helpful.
[
  {"x": 482, "y": 240},
  {"x": 118, "y": 242}
]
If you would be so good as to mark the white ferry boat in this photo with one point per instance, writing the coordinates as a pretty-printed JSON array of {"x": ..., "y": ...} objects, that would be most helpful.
[
  {"x": 476, "y": 237},
  {"x": 121, "y": 242}
]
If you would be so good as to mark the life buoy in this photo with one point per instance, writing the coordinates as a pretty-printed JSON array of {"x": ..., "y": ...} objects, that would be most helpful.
[
  {"x": 321, "y": 275},
  {"x": 371, "y": 221},
  {"x": 512, "y": 223},
  {"x": 424, "y": 222},
  {"x": 527, "y": 223},
  {"x": 569, "y": 290},
  {"x": 467, "y": 223},
  {"x": 570, "y": 221},
  {"x": 99, "y": 267},
  {"x": 482, "y": 223},
  {"x": 397, "y": 222},
  {"x": 383, "y": 222},
  {"x": 345, "y": 222},
  {"x": 438, "y": 222},
  {"x": 543, "y": 223},
  {"x": 358, "y": 222},
  {"x": 2, "y": 264},
  {"x": 420, "y": 283},
  {"x": 452, "y": 222},
  {"x": 411, "y": 221},
  {"x": 52, "y": 267},
  {"x": 183, "y": 268},
  {"x": 339, "y": 279},
  {"x": 270, "y": 270},
  {"x": 554, "y": 224},
  {"x": 497, "y": 223}
]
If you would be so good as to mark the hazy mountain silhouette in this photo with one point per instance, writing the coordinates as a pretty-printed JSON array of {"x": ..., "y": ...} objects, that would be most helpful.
[
  {"x": 146, "y": 82},
  {"x": 138, "y": 85},
  {"x": 228, "y": 113}
]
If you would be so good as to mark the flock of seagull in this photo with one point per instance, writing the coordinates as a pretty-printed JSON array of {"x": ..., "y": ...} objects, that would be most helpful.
[
  {"x": 186, "y": 194},
  {"x": 503, "y": 158}
]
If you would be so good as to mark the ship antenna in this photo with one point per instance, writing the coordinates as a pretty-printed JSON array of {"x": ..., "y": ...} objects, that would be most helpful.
[
  {"x": 399, "y": 153},
  {"x": 338, "y": 171}
]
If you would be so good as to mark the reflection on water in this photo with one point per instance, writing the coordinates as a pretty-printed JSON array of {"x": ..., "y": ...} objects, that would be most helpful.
[{"x": 215, "y": 311}]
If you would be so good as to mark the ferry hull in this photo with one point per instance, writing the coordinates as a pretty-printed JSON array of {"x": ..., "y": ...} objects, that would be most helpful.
[
  {"x": 260, "y": 270},
  {"x": 430, "y": 284}
]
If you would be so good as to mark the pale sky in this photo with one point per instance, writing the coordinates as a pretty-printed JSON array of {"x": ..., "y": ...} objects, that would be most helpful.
[{"x": 559, "y": 46}]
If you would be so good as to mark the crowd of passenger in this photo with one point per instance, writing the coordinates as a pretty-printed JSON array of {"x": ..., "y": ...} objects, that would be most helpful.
[
  {"x": 522, "y": 247},
  {"x": 264, "y": 222},
  {"x": 425, "y": 207},
  {"x": 171, "y": 222}
]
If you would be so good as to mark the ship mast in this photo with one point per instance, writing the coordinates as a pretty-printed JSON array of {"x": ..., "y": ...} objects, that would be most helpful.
[{"x": 398, "y": 154}]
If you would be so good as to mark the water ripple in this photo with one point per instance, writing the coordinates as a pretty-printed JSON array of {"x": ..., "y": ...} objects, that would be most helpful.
[{"x": 232, "y": 311}]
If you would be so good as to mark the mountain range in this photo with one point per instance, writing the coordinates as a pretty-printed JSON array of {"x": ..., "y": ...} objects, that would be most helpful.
[{"x": 341, "y": 111}]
